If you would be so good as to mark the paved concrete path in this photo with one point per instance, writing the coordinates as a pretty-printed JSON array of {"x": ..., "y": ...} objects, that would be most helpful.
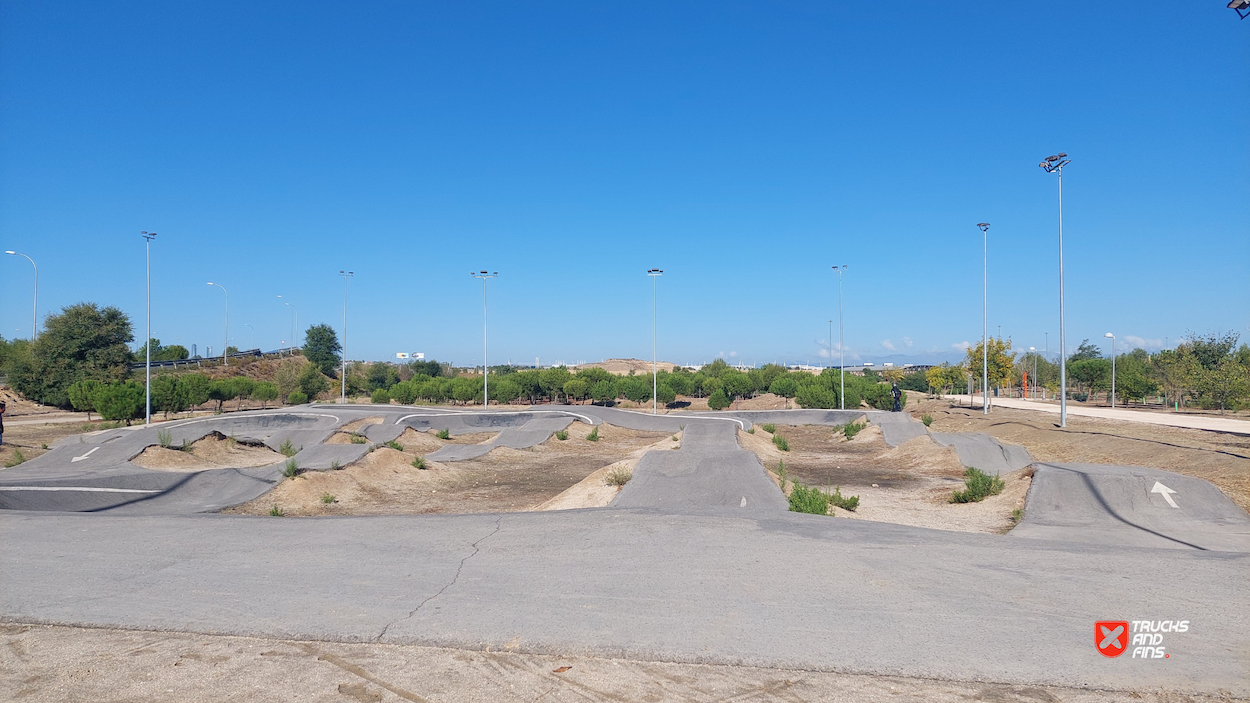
[
  {"x": 1197, "y": 422},
  {"x": 678, "y": 568}
]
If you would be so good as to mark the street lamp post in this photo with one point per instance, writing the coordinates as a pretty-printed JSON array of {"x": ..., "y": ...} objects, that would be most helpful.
[
  {"x": 1033, "y": 352},
  {"x": 841, "y": 344},
  {"x": 1054, "y": 164},
  {"x": 147, "y": 386},
  {"x": 655, "y": 374},
  {"x": 985, "y": 319},
  {"x": 224, "y": 360},
  {"x": 1112, "y": 338},
  {"x": 343, "y": 370},
  {"x": 485, "y": 276},
  {"x": 34, "y": 314},
  {"x": 294, "y": 321},
  {"x": 252, "y": 336}
]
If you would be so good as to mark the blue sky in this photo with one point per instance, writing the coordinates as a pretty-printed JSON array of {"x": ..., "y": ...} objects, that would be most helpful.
[{"x": 743, "y": 148}]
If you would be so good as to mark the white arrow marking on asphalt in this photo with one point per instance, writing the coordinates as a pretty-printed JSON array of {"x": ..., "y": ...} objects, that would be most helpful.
[
  {"x": 84, "y": 456},
  {"x": 1165, "y": 492}
]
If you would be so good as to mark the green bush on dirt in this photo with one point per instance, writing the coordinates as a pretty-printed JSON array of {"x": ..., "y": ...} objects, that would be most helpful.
[
  {"x": 781, "y": 443},
  {"x": 979, "y": 486},
  {"x": 718, "y": 400},
  {"x": 297, "y": 398},
  {"x": 380, "y": 397},
  {"x": 808, "y": 500},
  {"x": 846, "y": 503}
]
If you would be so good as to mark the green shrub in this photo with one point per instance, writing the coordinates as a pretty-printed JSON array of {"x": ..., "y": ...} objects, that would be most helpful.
[
  {"x": 769, "y": 427},
  {"x": 808, "y": 500},
  {"x": 297, "y": 398},
  {"x": 718, "y": 400},
  {"x": 593, "y": 436},
  {"x": 618, "y": 477},
  {"x": 781, "y": 443},
  {"x": 287, "y": 449},
  {"x": 846, "y": 503},
  {"x": 335, "y": 465},
  {"x": 290, "y": 468},
  {"x": 164, "y": 438},
  {"x": 850, "y": 429},
  {"x": 327, "y": 498},
  {"x": 380, "y": 397},
  {"x": 781, "y": 475},
  {"x": 16, "y": 459},
  {"x": 275, "y": 511},
  {"x": 395, "y": 445},
  {"x": 419, "y": 463},
  {"x": 120, "y": 401},
  {"x": 927, "y": 419},
  {"x": 359, "y": 439},
  {"x": 562, "y": 435},
  {"x": 444, "y": 434},
  {"x": 979, "y": 485},
  {"x": 1017, "y": 515},
  {"x": 750, "y": 430}
]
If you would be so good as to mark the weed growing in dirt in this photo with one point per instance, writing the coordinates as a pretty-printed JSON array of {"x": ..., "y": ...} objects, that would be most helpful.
[
  {"x": 593, "y": 436},
  {"x": 290, "y": 468},
  {"x": 444, "y": 434},
  {"x": 770, "y": 428},
  {"x": 781, "y": 443},
  {"x": 16, "y": 459},
  {"x": 674, "y": 438},
  {"x": 327, "y": 498},
  {"x": 808, "y": 500},
  {"x": 846, "y": 503},
  {"x": 781, "y": 475},
  {"x": 231, "y": 442},
  {"x": 751, "y": 430},
  {"x": 358, "y": 439},
  {"x": 43, "y": 445},
  {"x": 286, "y": 448},
  {"x": 164, "y": 438},
  {"x": 562, "y": 435},
  {"x": 927, "y": 419},
  {"x": 618, "y": 477},
  {"x": 419, "y": 463},
  {"x": 395, "y": 445},
  {"x": 275, "y": 511},
  {"x": 850, "y": 429},
  {"x": 335, "y": 465},
  {"x": 1017, "y": 515},
  {"x": 980, "y": 486}
]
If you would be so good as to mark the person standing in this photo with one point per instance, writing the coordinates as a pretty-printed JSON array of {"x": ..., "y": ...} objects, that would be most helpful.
[
  {"x": 898, "y": 394},
  {"x": 3, "y": 407}
]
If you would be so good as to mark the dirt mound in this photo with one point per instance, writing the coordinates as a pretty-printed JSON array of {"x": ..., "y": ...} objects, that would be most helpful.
[
  {"x": 622, "y": 367},
  {"x": 214, "y": 451}
]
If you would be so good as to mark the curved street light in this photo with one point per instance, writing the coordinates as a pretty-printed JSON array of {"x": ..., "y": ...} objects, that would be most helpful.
[
  {"x": 1112, "y": 338},
  {"x": 1054, "y": 164},
  {"x": 225, "y": 348},
  {"x": 485, "y": 276},
  {"x": 985, "y": 319},
  {"x": 34, "y": 314},
  {"x": 147, "y": 386}
]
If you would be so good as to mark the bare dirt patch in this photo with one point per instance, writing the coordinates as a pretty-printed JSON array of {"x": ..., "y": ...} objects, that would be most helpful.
[
  {"x": 214, "y": 451},
  {"x": 384, "y": 482},
  {"x": 1218, "y": 457},
  {"x": 908, "y": 485}
]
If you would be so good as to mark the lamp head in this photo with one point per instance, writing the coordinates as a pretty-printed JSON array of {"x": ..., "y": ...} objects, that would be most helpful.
[
  {"x": 984, "y": 226},
  {"x": 1109, "y": 335},
  {"x": 210, "y": 283},
  {"x": 10, "y": 252}
]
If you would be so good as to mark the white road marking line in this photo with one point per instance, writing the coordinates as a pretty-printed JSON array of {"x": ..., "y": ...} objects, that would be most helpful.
[
  {"x": 83, "y": 489},
  {"x": 1165, "y": 492},
  {"x": 84, "y": 456}
]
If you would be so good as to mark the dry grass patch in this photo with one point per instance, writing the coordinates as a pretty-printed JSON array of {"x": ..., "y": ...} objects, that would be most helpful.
[{"x": 215, "y": 451}]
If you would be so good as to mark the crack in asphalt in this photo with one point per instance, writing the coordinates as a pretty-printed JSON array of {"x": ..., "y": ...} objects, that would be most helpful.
[{"x": 454, "y": 579}]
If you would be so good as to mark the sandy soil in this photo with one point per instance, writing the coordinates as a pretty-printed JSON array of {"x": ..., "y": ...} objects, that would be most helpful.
[
  {"x": 622, "y": 367},
  {"x": 594, "y": 491},
  {"x": 212, "y": 452},
  {"x": 909, "y": 485},
  {"x": 384, "y": 482},
  {"x": 1218, "y": 457}
]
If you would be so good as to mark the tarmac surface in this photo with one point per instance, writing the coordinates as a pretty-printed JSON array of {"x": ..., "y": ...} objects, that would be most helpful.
[{"x": 697, "y": 559}]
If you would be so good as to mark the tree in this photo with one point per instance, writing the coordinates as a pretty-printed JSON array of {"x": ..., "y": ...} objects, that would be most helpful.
[
  {"x": 814, "y": 395},
  {"x": 784, "y": 386},
  {"x": 1132, "y": 375},
  {"x": 83, "y": 341},
  {"x": 946, "y": 377},
  {"x": 221, "y": 390},
  {"x": 242, "y": 387},
  {"x": 1176, "y": 371},
  {"x": 504, "y": 390},
  {"x": 429, "y": 367},
  {"x": 737, "y": 384},
  {"x": 915, "y": 381},
  {"x": 1092, "y": 374},
  {"x": 603, "y": 391},
  {"x": 1084, "y": 352},
  {"x": 464, "y": 389},
  {"x": 681, "y": 381},
  {"x": 1211, "y": 350},
  {"x": 194, "y": 388},
  {"x": 169, "y": 394},
  {"x": 576, "y": 388},
  {"x": 82, "y": 395},
  {"x": 716, "y": 369},
  {"x": 120, "y": 401},
  {"x": 718, "y": 400},
  {"x": 1225, "y": 384},
  {"x": 664, "y": 394},
  {"x": 552, "y": 381},
  {"x": 312, "y": 381},
  {"x": 265, "y": 392},
  {"x": 161, "y": 353},
  {"x": 321, "y": 347},
  {"x": 1000, "y": 361}
]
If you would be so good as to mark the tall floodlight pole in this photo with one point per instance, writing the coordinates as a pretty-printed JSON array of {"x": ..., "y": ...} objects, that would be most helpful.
[
  {"x": 294, "y": 320},
  {"x": 1054, "y": 164},
  {"x": 985, "y": 320},
  {"x": 251, "y": 337},
  {"x": 655, "y": 373},
  {"x": 224, "y": 361},
  {"x": 34, "y": 314},
  {"x": 1112, "y": 338},
  {"x": 831, "y": 344},
  {"x": 1033, "y": 353},
  {"x": 841, "y": 344},
  {"x": 343, "y": 370},
  {"x": 484, "y": 275},
  {"x": 147, "y": 386}
]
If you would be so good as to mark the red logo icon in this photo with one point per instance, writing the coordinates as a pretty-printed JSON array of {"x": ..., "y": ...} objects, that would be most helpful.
[{"x": 1111, "y": 637}]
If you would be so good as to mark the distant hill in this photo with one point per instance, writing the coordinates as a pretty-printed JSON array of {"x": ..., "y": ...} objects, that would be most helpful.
[{"x": 622, "y": 367}]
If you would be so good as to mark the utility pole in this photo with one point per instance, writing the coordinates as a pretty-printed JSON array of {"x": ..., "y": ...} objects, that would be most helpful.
[
  {"x": 343, "y": 363},
  {"x": 655, "y": 374},
  {"x": 841, "y": 344},
  {"x": 34, "y": 314},
  {"x": 985, "y": 321},
  {"x": 1054, "y": 164},
  {"x": 485, "y": 276},
  {"x": 147, "y": 386}
]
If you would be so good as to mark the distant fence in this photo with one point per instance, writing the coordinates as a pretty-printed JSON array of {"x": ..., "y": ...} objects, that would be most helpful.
[{"x": 200, "y": 361}]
